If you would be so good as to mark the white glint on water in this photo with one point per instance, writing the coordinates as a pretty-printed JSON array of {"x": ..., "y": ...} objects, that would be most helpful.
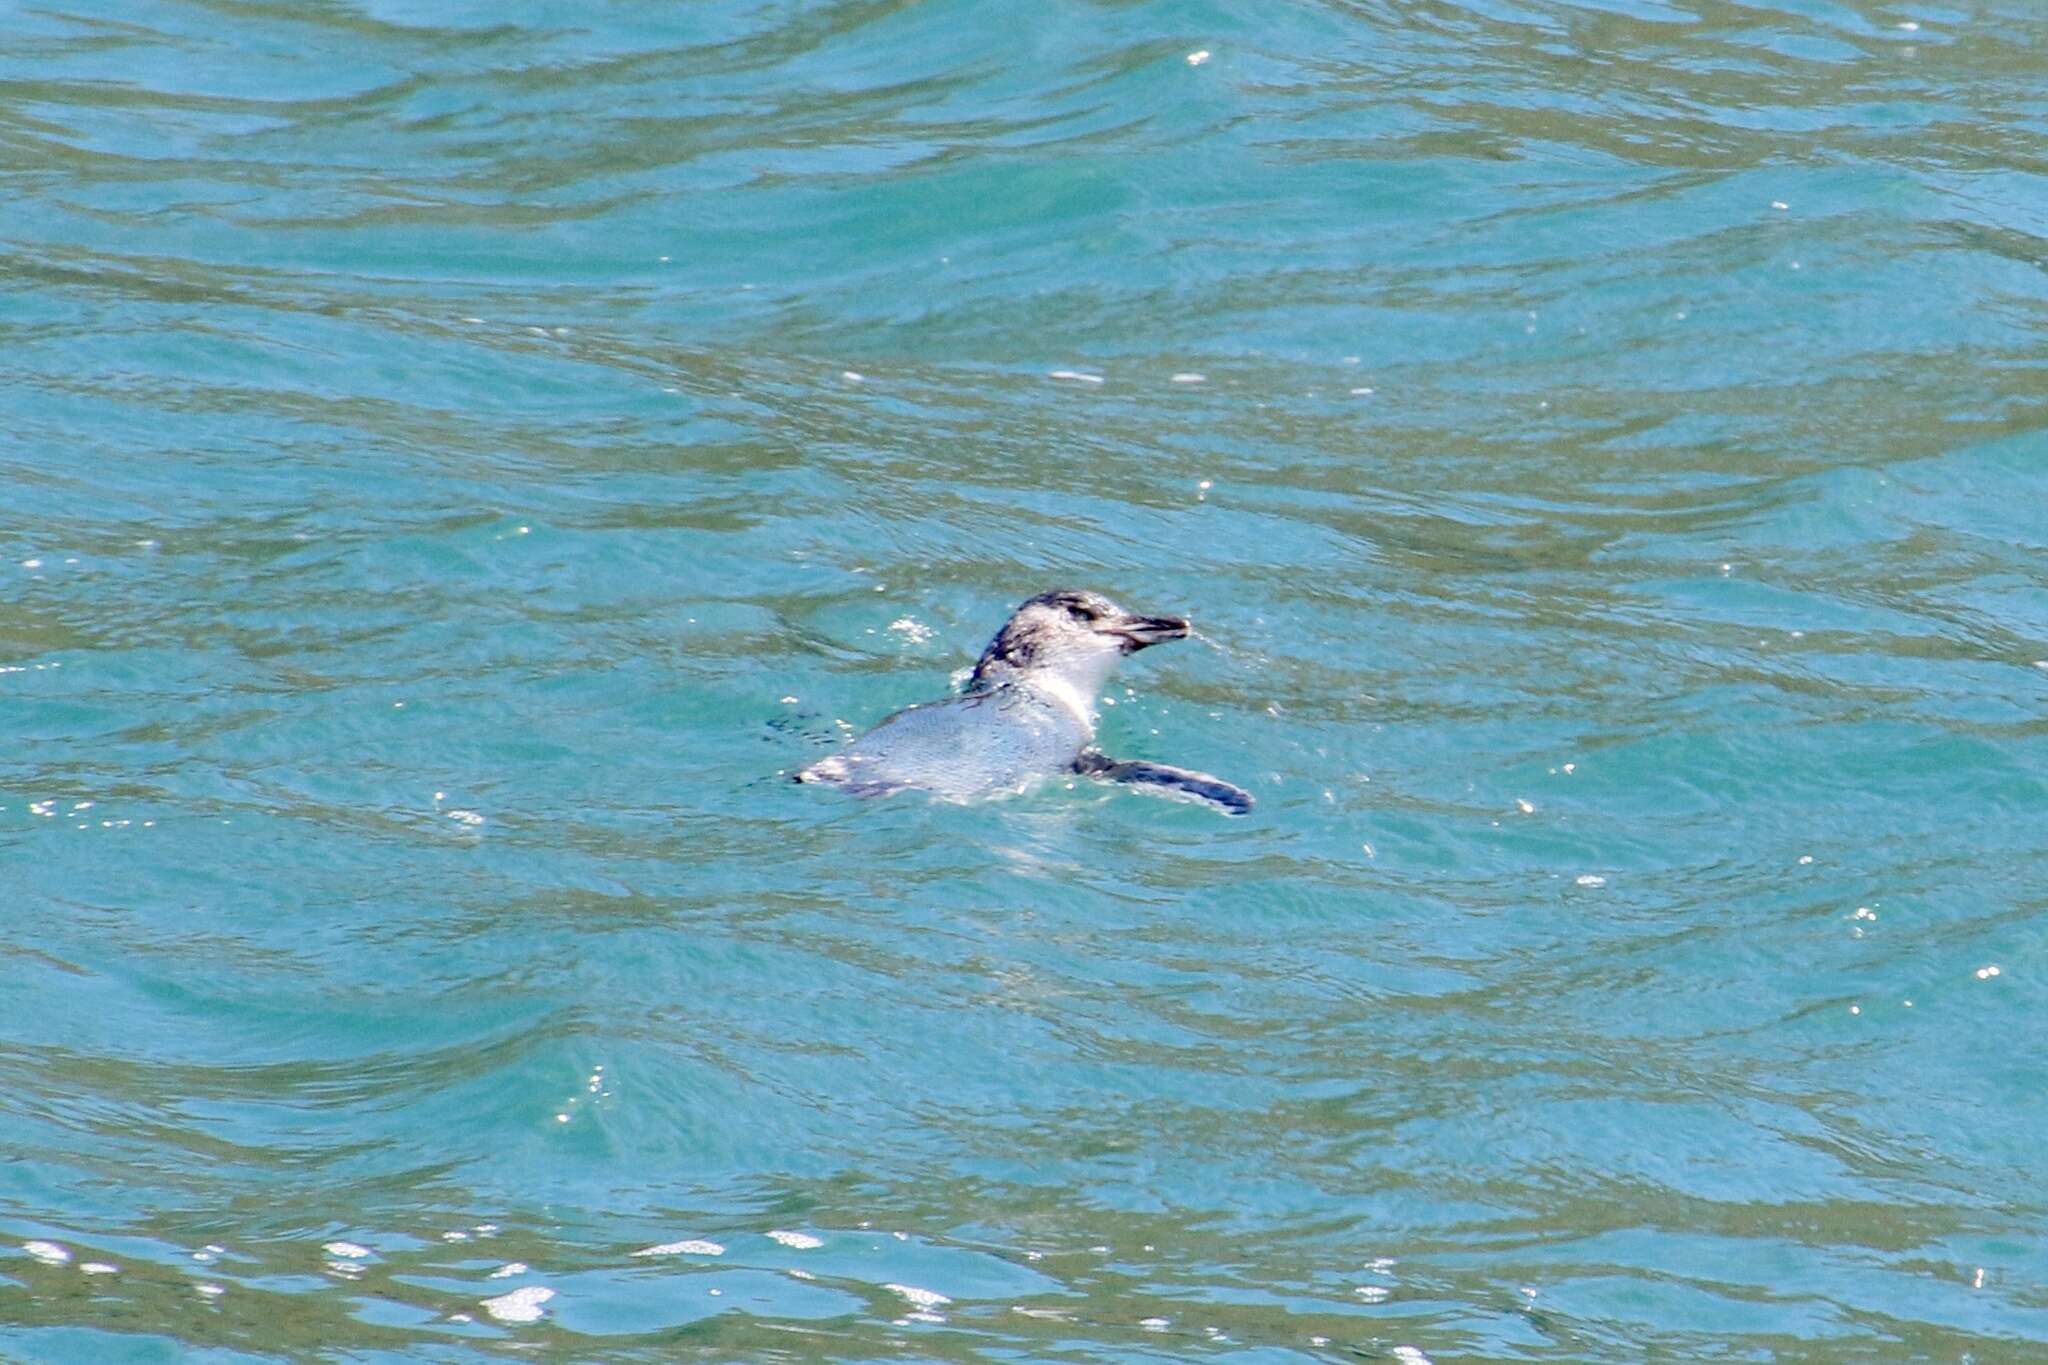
[
  {"x": 920, "y": 1298},
  {"x": 521, "y": 1305},
  {"x": 798, "y": 1241},
  {"x": 692, "y": 1247},
  {"x": 911, "y": 629}
]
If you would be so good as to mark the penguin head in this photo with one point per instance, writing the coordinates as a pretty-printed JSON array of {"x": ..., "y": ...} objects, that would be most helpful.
[{"x": 1073, "y": 635}]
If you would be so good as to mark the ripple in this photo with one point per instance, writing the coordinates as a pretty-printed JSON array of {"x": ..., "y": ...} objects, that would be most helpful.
[{"x": 437, "y": 471}]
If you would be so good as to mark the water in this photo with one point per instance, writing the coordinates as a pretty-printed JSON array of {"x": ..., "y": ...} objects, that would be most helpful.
[{"x": 456, "y": 458}]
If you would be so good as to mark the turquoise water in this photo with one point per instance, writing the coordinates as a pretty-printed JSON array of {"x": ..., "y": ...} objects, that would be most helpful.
[{"x": 457, "y": 456}]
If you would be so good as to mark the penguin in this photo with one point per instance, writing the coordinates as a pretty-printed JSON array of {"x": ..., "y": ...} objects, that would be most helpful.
[{"x": 1026, "y": 714}]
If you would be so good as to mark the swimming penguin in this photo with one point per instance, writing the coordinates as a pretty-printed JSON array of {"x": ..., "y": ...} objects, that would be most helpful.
[{"x": 1026, "y": 714}]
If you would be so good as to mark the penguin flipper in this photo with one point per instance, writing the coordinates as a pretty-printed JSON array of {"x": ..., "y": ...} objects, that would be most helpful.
[
  {"x": 836, "y": 772},
  {"x": 1183, "y": 784}
]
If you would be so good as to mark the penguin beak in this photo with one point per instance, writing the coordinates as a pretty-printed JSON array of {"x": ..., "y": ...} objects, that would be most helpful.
[{"x": 1140, "y": 631}]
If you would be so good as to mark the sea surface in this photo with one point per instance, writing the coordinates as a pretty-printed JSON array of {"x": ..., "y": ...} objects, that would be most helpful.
[{"x": 457, "y": 459}]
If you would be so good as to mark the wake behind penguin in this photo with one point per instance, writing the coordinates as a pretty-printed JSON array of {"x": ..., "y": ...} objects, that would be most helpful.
[{"x": 1027, "y": 714}]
